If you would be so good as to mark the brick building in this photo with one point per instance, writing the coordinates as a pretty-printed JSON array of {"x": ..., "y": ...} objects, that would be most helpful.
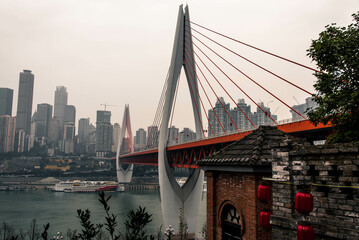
[{"x": 233, "y": 176}]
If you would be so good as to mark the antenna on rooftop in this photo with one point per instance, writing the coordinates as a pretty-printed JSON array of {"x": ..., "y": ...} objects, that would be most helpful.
[{"x": 107, "y": 105}]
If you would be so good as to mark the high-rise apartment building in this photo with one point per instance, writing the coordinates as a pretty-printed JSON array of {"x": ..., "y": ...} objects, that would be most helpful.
[
  {"x": 140, "y": 139},
  {"x": 103, "y": 133},
  {"x": 60, "y": 102},
  {"x": 261, "y": 117},
  {"x": 7, "y": 133},
  {"x": 6, "y": 95},
  {"x": 240, "y": 116},
  {"x": 186, "y": 135},
  {"x": 302, "y": 108},
  {"x": 153, "y": 134},
  {"x": 218, "y": 117},
  {"x": 24, "y": 102},
  {"x": 173, "y": 135}
]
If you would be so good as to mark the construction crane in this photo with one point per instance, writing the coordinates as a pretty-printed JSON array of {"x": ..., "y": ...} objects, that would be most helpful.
[{"x": 107, "y": 105}]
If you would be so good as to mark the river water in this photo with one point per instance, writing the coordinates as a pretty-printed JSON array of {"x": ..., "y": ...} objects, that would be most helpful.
[{"x": 18, "y": 208}]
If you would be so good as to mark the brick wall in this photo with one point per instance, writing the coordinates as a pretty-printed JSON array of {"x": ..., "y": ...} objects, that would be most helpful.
[
  {"x": 238, "y": 189},
  {"x": 336, "y": 209}
]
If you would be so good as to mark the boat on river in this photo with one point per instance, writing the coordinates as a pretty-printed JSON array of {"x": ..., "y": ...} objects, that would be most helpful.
[{"x": 85, "y": 186}]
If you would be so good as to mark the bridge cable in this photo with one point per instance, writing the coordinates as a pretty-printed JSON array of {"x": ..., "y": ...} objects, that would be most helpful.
[
  {"x": 214, "y": 94},
  {"x": 246, "y": 77},
  {"x": 159, "y": 110},
  {"x": 192, "y": 77},
  {"x": 248, "y": 45},
  {"x": 192, "y": 66},
  {"x": 272, "y": 54},
  {"x": 257, "y": 65},
  {"x": 186, "y": 66},
  {"x": 234, "y": 84},
  {"x": 173, "y": 109},
  {"x": 213, "y": 90},
  {"x": 207, "y": 98}
]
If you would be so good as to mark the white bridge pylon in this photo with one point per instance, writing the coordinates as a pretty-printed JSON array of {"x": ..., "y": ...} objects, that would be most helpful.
[
  {"x": 175, "y": 198},
  {"x": 125, "y": 145}
]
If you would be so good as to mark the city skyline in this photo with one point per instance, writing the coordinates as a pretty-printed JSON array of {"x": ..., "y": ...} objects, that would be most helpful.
[{"x": 286, "y": 30}]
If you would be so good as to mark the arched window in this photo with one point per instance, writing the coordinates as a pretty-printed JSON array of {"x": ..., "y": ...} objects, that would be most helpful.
[{"x": 231, "y": 223}]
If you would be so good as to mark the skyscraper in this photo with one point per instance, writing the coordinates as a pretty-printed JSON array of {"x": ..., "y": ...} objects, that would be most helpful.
[
  {"x": 7, "y": 133},
  {"x": 24, "y": 102},
  {"x": 6, "y": 95},
  {"x": 43, "y": 117},
  {"x": 83, "y": 130},
  {"x": 70, "y": 114},
  {"x": 60, "y": 102},
  {"x": 103, "y": 133}
]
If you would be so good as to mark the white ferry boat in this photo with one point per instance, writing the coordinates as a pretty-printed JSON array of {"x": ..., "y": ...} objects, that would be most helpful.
[
  {"x": 85, "y": 186},
  {"x": 61, "y": 186}
]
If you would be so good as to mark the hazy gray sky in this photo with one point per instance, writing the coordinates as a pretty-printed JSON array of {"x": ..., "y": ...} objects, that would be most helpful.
[{"x": 118, "y": 52}]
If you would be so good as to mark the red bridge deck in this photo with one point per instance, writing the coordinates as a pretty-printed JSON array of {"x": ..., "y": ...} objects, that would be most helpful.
[{"x": 185, "y": 155}]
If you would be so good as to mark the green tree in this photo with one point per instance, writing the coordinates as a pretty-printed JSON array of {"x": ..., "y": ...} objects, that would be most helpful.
[{"x": 336, "y": 53}]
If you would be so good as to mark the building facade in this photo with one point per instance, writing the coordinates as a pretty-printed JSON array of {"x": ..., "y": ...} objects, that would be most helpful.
[
  {"x": 152, "y": 138},
  {"x": 60, "y": 102},
  {"x": 140, "y": 139},
  {"x": 233, "y": 176},
  {"x": 42, "y": 119},
  {"x": 24, "y": 102},
  {"x": 6, "y": 96},
  {"x": 7, "y": 133},
  {"x": 302, "y": 109},
  {"x": 103, "y": 133},
  {"x": 116, "y": 136},
  {"x": 83, "y": 130},
  {"x": 70, "y": 114}
]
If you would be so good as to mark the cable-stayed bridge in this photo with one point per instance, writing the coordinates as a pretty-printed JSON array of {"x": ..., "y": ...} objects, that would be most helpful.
[{"x": 209, "y": 74}]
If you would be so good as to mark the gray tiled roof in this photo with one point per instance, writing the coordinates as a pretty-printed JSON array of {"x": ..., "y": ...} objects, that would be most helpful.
[{"x": 252, "y": 150}]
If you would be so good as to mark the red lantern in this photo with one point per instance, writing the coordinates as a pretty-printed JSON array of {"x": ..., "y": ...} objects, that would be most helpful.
[
  {"x": 304, "y": 202},
  {"x": 305, "y": 232},
  {"x": 264, "y": 219},
  {"x": 264, "y": 192}
]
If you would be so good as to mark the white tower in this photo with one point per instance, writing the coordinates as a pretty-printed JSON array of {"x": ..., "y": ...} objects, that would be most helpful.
[{"x": 175, "y": 198}]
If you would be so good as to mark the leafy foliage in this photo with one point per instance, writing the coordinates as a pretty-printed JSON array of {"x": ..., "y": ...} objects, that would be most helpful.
[
  {"x": 336, "y": 53},
  {"x": 111, "y": 222},
  {"x": 89, "y": 230},
  {"x": 135, "y": 224}
]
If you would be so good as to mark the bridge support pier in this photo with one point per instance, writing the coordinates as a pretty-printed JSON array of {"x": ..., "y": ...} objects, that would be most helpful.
[
  {"x": 124, "y": 172},
  {"x": 175, "y": 198}
]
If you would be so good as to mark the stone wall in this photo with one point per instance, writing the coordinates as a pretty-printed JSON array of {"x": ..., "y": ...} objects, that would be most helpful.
[{"x": 331, "y": 173}]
